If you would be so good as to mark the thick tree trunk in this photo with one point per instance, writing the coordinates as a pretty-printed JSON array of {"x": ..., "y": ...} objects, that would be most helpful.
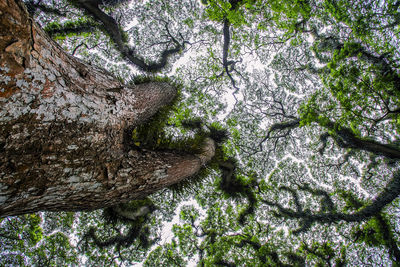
[{"x": 63, "y": 125}]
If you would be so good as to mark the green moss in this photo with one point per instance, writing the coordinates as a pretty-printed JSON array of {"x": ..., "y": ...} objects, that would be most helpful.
[
  {"x": 168, "y": 131},
  {"x": 190, "y": 184},
  {"x": 159, "y": 133},
  {"x": 79, "y": 27},
  {"x": 351, "y": 200}
]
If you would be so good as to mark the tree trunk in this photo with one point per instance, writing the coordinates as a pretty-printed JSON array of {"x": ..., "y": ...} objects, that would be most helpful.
[{"x": 64, "y": 125}]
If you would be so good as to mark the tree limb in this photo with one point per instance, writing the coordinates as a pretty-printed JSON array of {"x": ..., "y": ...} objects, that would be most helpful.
[
  {"x": 111, "y": 27},
  {"x": 307, "y": 218}
]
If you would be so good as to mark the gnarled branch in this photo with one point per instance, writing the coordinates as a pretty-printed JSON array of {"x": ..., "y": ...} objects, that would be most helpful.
[
  {"x": 307, "y": 218},
  {"x": 111, "y": 27}
]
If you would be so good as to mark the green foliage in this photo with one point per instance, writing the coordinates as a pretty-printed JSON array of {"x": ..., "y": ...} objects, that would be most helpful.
[
  {"x": 358, "y": 78},
  {"x": 321, "y": 253},
  {"x": 370, "y": 233},
  {"x": 309, "y": 111},
  {"x": 55, "y": 250},
  {"x": 167, "y": 255},
  {"x": 37, "y": 243},
  {"x": 378, "y": 232},
  {"x": 354, "y": 88},
  {"x": 352, "y": 203},
  {"x": 35, "y": 231}
]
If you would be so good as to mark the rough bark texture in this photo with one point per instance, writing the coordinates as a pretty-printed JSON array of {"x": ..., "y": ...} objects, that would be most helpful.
[{"x": 62, "y": 128}]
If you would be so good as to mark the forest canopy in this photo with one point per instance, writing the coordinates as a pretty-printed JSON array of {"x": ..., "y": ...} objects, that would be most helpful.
[{"x": 302, "y": 98}]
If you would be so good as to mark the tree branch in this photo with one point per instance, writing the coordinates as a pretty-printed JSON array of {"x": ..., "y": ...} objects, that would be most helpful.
[
  {"x": 344, "y": 137},
  {"x": 388, "y": 238},
  {"x": 111, "y": 27},
  {"x": 32, "y": 7},
  {"x": 307, "y": 218},
  {"x": 289, "y": 125}
]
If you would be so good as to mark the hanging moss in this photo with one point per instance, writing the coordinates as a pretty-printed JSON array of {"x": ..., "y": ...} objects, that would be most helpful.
[
  {"x": 235, "y": 185},
  {"x": 219, "y": 135},
  {"x": 154, "y": 135},
  {"x": 157, "y": 133},
  {"x": 113, "y": 214},
  {"x": 133, "y": 216},
  {"x": 186, "y": 135}
]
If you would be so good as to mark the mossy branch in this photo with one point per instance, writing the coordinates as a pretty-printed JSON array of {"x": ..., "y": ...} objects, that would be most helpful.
[{"x": 71, "y": 28}]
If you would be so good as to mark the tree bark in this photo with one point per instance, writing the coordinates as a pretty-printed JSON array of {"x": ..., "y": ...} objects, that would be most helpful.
[{"x": 64, "y": 126}]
